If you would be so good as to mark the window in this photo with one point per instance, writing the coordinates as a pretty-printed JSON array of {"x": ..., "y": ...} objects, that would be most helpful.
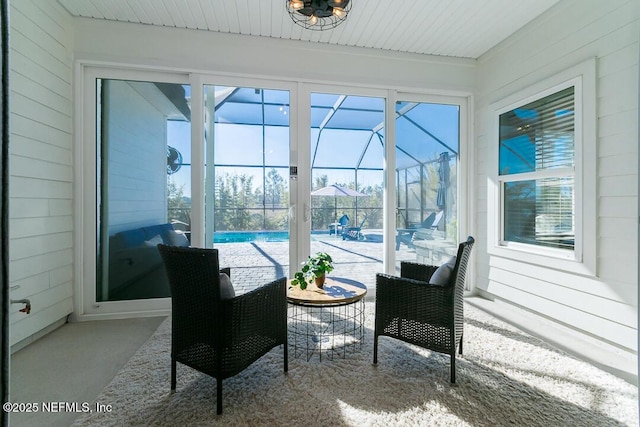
[
  {"x": 537, "y": 171},
  {"x": 542, "y": 188}
]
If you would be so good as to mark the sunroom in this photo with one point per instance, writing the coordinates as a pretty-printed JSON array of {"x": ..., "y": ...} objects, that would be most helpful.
[{"x": 67, "y": 70}]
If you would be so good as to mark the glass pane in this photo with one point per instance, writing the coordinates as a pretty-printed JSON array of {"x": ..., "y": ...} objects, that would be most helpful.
[
  {"x": 427, "y": 138},
  {"x": 179, "y": 175},
  {"x": 275, "y": 152},
  {"x": 238, "y": 144},
  {"x": 425, "y": 129},
  {"x": 540, "y": 212},
  {"x": 539, "y": 135},
  {"x": 370, "y": 182},
  {"x": 144, "y": 187},
  {"x": 248, "y": 210},
  {"x": 333, "y": 143},
  {"x": 347, "y": 151}
]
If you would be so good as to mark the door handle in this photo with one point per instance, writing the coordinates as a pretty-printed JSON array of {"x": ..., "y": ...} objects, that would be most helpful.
[
  {"x": 307, "y": 213},
  {"x": 292, "y": 213}
]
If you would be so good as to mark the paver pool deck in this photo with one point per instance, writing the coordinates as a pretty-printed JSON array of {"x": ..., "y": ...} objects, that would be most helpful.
[{"x": 255, "y": 263}]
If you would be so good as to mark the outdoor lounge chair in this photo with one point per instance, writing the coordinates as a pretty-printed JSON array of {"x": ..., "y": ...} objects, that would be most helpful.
[
  {"x": 424, "y": 305},
  {"x": 407, "y": 235},
  {"x": 353, "y": 233},
  {"x": 212, "y": 330},
  {"x": 337, "y": 227}
]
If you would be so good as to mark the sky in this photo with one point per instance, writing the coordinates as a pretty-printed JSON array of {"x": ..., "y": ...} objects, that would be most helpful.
[{"x": 346, "y": 139}]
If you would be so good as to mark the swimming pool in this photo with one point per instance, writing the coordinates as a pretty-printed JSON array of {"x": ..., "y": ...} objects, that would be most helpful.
[
  {"x": 250, "y": 236},
  {"x": 259, "y": 236}
]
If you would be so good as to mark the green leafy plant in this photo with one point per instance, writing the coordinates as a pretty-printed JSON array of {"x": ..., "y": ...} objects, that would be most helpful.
[{"x": 317, "y": 265}]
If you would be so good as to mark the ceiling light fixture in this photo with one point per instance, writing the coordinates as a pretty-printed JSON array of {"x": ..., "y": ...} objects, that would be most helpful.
[{"x": 318, "y": 14}]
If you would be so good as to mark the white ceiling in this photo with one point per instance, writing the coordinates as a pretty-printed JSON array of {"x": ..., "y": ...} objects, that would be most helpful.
[{"x": 459, "y": 28}]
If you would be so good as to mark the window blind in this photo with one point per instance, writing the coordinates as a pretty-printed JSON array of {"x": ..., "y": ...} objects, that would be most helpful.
[{"x": 537, "y": 139}]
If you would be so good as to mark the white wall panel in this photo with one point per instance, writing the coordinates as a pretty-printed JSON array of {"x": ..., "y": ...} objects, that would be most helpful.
[
  {"x": 26, "y": 127},
  {"x": 36, "y": 110},
  {"x": 39, "y": 320},
  {"x": 37, "y": 245},
  {"x": 598, "y": 326},
  {"x": 591, "y": 302},
  {"x": 30, "y": 148},
  {"x": 41, "y": 225},
  {"x": 37, "y": 264},
  {"x": 199, "y": 51},
  {"x": 31, "y": 187},
  {"x": 604, "y": 304}
]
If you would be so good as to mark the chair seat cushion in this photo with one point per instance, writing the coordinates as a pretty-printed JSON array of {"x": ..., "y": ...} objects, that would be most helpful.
[
  {"x": 443, "y": 274},
  {"x": 226, "y": 287}
]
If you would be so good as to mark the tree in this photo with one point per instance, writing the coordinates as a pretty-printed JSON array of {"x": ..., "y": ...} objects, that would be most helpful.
[
  {"x": 178, "y": 206},
  {"x": 274, "y": 189},
  {"x": 323, "y": 211},
  {"x": 233, "y": 194}
]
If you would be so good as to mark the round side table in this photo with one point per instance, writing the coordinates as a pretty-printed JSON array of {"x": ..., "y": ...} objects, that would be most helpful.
[{"x": 328, "y": 320}]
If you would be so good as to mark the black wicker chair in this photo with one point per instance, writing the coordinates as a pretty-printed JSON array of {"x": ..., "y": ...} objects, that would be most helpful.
[
  {"x": 410, "y": 309},
  {"x": 220, "y": 337}
]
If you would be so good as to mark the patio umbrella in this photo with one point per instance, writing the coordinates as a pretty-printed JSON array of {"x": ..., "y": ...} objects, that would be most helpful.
[
  {"x": 335, "y": 191},
  {"x": 443, "y": 180}
]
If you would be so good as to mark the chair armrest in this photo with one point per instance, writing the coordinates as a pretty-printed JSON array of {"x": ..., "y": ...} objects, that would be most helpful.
[
  {"x": 416, "y": 271},
  {"x": 406, "y": 288},
  {"x": 262, "y": 311}
]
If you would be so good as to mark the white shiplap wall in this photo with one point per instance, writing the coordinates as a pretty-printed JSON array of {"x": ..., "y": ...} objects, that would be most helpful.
[
  {"x": 41, "y": 225},
  {"x": 604, "y": 304}
]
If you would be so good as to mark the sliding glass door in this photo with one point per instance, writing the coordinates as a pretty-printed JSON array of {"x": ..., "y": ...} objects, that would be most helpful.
[
  {"x": 267, "y": 173},
  {"x": 347, "y": 159},
  {"x": 247, "y": 148},
  {"x": 143, "y": 184},
  {"x": 426, "y": 178}
]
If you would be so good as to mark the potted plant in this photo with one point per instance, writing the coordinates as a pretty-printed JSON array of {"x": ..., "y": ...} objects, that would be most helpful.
[{"x": 314, "y": 268}]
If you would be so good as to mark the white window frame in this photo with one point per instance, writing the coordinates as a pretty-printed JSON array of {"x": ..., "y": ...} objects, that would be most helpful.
[{"x": 582, "y": 259}]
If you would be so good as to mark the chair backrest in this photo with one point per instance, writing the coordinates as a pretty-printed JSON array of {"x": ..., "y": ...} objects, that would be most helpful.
[
  {"x": 344, "y": 220},
  {"x": 428, "y": 221},
  {"x": 437, "y": 220},
  {"x": 460, "y": 269},
  {"x": 363, "y": 220},
  {"x": 194, "y": 280}
]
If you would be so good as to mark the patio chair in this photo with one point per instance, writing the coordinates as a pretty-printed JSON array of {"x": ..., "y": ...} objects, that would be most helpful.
[
  {"x": 212, "y": 330},
  {"x": 336, "y": 227},
  {"x": 407, "y": 235},
  {"x": 424, "y": 306},
  {"x": 353, "y": 233},
  {"x": 436, "y": 229}
]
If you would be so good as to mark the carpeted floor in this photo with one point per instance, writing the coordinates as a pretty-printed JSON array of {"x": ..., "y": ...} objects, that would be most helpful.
[{"x": 506, "y": 378}]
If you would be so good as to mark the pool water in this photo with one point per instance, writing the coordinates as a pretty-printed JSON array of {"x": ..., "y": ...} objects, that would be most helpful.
[
  {"x": 260, "y": 236},
  {"x": 250, "y": 236}
]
